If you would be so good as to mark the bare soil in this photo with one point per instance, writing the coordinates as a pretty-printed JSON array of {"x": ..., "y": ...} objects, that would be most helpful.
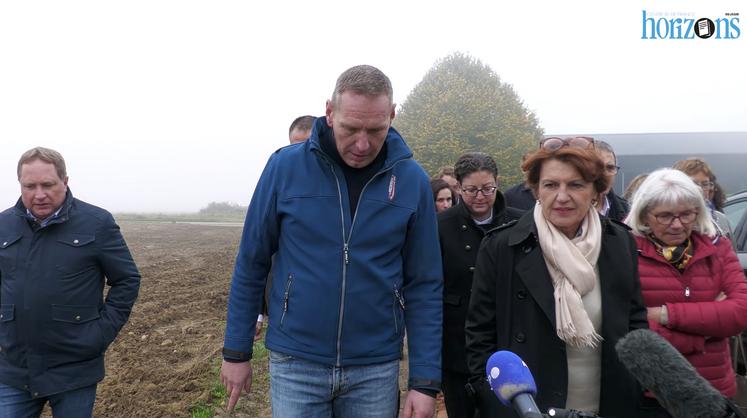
[{"x": 164, "y": 359}]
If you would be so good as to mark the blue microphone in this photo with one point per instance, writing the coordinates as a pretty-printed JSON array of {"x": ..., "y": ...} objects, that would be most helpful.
[{"x": 513, "y": 384}]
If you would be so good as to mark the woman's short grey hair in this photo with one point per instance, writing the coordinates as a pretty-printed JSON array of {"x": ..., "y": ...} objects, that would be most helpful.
[
  {"x": 667, "y": 186},
  {"x": 473, "y": 162}
]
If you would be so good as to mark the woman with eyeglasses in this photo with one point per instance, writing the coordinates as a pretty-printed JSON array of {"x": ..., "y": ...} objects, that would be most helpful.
[
  {"x": 691, "y": 279},
  {"x": 700, "y": 172},
  {"x": 559, "y": 287},
  {"x": 460, "y": 231}
]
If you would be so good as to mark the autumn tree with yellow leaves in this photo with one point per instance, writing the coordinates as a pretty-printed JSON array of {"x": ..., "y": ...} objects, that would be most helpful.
[{"x": 461, "y": 105}]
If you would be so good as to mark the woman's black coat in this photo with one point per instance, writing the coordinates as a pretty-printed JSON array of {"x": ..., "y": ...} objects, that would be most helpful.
[
  {"x": 512, "y": 308},
  {"x": 460, "y": 240}
]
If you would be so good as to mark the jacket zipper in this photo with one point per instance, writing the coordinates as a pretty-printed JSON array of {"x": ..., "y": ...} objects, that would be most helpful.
[
  {"x": 687, "y": 286},
  {"x": 346, "y": 248},
  {"x": 286, "y": 297},
  {"x": 401, "y": 302}
]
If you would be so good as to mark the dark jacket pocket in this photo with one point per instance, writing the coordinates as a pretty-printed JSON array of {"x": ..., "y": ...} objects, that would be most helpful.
[
  {"x": 74, "y": 253},
  {"x": 75, "y": 333},
  {"x": 7, "y": 327},
  {"x": 8, "y": 253}
]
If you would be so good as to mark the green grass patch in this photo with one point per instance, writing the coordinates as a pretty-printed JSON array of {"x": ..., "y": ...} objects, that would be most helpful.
[
  {"x": 257, "y": 403},
  {"x": 202, "y": 411}
]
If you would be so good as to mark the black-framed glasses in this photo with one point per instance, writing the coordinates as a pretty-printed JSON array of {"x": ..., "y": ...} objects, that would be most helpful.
[
  {"x": 611, "y": 168},
  {"x": 685, "y": 218},
  {"x": 554, "y": 143},
  {"x": 472, "y": 191},
  {"x": 706, "y": 185}
]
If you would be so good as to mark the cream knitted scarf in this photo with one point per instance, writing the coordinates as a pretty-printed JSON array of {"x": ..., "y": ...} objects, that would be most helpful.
[{"x": 571, "y": 265}]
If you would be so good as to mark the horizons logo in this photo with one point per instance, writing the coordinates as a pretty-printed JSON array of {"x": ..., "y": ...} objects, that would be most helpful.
[{"x": 659, "y": 25}]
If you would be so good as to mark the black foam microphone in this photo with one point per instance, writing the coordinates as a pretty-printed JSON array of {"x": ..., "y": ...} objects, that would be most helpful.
[{"x": 661, "y": 369}]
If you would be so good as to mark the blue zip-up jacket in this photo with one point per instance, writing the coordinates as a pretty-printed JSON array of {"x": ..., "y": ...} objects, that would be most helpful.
[
  {"x": 55, "y": 324},
  {"x": 344, "y": 288}
]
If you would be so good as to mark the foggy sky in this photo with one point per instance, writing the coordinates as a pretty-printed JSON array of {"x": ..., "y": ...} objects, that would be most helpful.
[{"x": 169, "y": 105}]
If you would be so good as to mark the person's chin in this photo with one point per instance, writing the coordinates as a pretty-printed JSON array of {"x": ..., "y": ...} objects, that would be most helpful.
[
  {"x": 673, "y": 240},
  {"x": 41, "y": 214},
  {"x": 357, "y": 162}
]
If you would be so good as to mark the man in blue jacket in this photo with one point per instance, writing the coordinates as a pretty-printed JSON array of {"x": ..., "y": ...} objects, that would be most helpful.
[
  {"x": 350, "y": 217},
  {"x": 55, "y": 254}
]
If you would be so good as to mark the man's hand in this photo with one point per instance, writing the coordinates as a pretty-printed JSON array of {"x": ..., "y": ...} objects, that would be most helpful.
[
  {"x": 234, "y": 377},
  {"x": 419, "y": 405}
]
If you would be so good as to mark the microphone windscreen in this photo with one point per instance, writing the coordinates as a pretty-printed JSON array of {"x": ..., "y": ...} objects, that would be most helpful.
[
  {"x": 509, "y": 376},
  {"x": 661, "y": 369}
]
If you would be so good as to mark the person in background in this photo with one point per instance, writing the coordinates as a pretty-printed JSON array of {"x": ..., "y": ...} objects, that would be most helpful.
[
  {"x": 633, "y": 186},
  {"x": 520, "y": 196},
  {"x": 447, "y": 174},
  {"x": 700, "y": 172},
  {"x": 692, "y": 283},
  {"x": 610, "y": 204},
  {"x": 350, "y": 218},
  {"x": 442, "y": 195},
  {"x": 300, "y": 129},
  {"x": 559, "y": 288},
  {"x": 57, "y": 253},
  {"x": 460, "y": 231},
  {"x": 719, "y": 196}
]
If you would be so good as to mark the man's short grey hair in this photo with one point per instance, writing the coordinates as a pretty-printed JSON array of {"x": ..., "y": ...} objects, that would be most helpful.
[
  {"x": 302, "y": 123},
  {"x": 363, "y": 79},
  {"x": 667, "y": 186},
  {"x": 47, "y": 155}
]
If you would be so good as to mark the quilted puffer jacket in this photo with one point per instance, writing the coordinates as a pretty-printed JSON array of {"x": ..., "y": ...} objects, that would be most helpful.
[{"x": 698, "y": 325}]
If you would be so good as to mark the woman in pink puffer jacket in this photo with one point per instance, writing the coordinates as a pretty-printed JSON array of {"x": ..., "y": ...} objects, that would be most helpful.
[{"x": 691, "y": 280}]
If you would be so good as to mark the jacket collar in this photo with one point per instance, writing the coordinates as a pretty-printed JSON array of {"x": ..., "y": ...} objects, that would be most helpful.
[
  {"x": 62, "y": 216},
  {"x": 498, "y": 207},
  {"x": 397, "y": 150},
  {"x": 704, "y": 247}
]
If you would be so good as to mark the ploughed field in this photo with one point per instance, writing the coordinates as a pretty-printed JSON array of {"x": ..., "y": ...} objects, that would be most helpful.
[{"x": 164, "y": 360}]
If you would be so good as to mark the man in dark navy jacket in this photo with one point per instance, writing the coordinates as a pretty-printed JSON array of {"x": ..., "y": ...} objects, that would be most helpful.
[{"x": 56, "y": 253}]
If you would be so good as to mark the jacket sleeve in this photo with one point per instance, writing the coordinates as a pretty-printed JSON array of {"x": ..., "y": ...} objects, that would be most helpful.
[
  {"x": 480, "y": 326},
  {"x": 718, "y": 319},
  {"x": 684, "y": 343},
  {"x": 122, "y": 276},
  {"x": 423, "y": 290},
  {"x": 258, "y": 243}
]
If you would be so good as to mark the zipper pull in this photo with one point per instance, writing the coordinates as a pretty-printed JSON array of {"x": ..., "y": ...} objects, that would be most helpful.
[
  {"x": 347, "y": 254},
  {"x": 687, "y": 291},
  {"x": 399, "y": 298}
]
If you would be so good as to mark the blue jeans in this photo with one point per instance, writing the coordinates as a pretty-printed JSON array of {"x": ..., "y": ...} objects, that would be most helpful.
[
  {"x": 18, "y": 403},
  {"x": 306, "y": 389}
]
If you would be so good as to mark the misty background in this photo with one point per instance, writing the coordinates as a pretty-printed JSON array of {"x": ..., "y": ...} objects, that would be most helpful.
[{"x": 169, "y": 105}]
